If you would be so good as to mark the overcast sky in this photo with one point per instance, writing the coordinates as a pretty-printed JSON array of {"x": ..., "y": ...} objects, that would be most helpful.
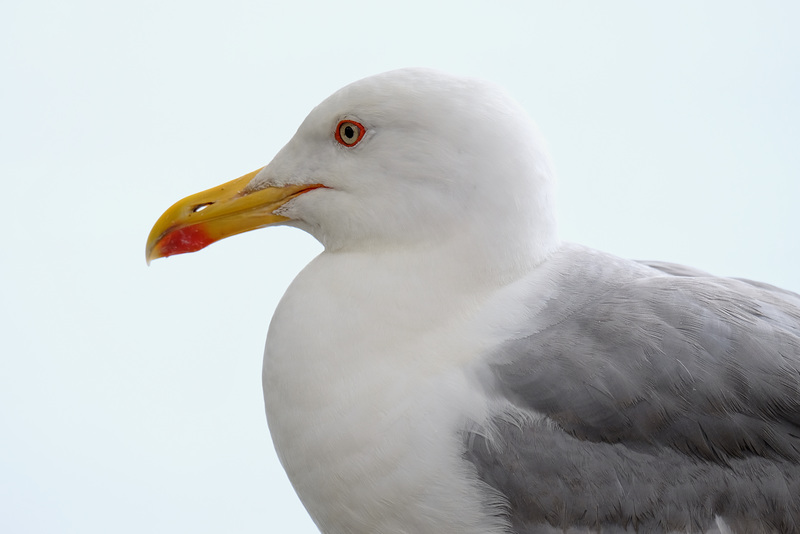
[{"x": 130, "y": 397}]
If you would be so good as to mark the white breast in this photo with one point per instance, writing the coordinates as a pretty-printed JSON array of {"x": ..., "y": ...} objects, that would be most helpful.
[{"x": 367, "y": 383}]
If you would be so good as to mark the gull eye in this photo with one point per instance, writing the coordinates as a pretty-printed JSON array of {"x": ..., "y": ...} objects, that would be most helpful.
[{"x": 349, "y": 133}]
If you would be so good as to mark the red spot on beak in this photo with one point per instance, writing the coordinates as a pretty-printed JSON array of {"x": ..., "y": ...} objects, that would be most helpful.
[{"x": 184, "y": 240}]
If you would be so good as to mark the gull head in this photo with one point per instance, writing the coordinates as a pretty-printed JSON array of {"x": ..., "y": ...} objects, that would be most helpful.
[{"x": 405, "y": 159}]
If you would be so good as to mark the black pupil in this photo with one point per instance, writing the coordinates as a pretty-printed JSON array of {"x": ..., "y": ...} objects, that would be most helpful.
[{"x": 349, "y": 132}]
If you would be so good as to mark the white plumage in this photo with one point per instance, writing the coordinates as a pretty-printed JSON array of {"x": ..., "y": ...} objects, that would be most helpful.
[{"x": 448, "y": 365}]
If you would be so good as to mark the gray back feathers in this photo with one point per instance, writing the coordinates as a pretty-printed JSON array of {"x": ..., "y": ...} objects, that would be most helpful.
[{"x": 669, "y": 398}]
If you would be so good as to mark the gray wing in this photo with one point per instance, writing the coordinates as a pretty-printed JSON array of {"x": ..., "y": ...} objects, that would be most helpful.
[{"x": 652, "y": 399}]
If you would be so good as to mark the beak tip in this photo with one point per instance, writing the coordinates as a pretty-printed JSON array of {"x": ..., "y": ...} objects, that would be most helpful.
[{"x": 151, "y": 251}]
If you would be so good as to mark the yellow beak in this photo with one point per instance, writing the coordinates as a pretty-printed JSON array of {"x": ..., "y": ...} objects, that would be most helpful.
[{"x": 228, "y": 209}]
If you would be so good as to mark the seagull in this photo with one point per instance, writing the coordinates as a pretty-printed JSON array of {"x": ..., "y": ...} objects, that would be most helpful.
[{"x": 449, "y": 365}]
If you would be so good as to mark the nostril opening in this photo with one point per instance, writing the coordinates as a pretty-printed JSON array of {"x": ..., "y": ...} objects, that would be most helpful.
[{"x": 201, "y": 207}]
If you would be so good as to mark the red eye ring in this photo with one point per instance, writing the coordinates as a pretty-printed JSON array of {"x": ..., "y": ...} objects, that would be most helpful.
[{"x": 349, "y": 133}]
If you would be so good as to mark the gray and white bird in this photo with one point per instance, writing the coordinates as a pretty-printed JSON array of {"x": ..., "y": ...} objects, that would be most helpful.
[{"x": 449, "y": 365}]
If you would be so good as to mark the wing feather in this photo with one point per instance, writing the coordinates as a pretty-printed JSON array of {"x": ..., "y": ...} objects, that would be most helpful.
[{"x": 653, "y": 399}]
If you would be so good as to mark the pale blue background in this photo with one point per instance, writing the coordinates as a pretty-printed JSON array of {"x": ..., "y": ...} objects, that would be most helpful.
[{"x": 130, "y": 397}]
